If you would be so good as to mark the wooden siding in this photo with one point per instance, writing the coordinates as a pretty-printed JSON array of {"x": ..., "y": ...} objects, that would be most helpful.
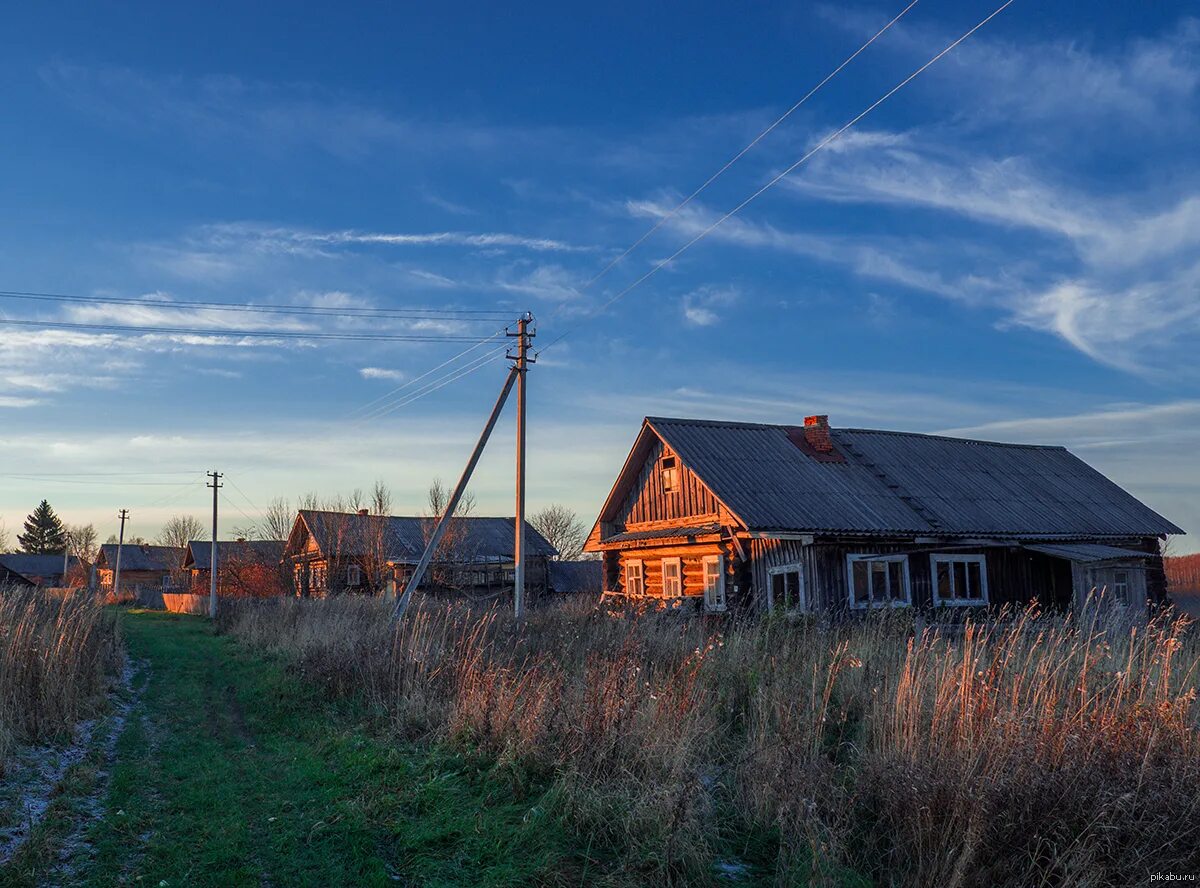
[
  {"x": 691, "y": 557},
  {"x": 646, "y": 503}
]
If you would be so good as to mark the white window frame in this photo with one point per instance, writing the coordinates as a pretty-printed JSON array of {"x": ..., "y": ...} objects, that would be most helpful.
[
  {"x": 1127, "y": 600},
  {"x": 1102, "y": 581},
  {"x": 870, "y": 604},
  {"x": 715, "y": 602},
  {"x": 353, "y": 575},
  {"x": 773, "y": 572},
  {"x": 953, "y": 558},
  {"x": 678, "y": 564},
  {"x": 641, "y": 577}
]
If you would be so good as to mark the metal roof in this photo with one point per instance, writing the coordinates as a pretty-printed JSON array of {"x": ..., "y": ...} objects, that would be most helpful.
[
  {"x": 402, "y": 538},
  {"x": 33, "y": 567},
  {"x": 663, "y": 533},
  {"x": 576, "y": 576},
  {"x": 199, "y": 552},
  {"x": 905, "y": 483},
  {"x": 140, "y": 556},
  {"x": 1086, "y": 552}
]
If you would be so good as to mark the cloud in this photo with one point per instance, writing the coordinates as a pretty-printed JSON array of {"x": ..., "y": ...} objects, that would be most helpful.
[
  {"x": 382, "y": 373},
  {"x": 703, "y": 306},
  {"x": 552, "y": 283},
  {"x": 9, "y": 401}
]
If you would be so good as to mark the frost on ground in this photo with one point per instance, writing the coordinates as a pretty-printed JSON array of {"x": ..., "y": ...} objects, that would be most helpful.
[{"x": 34, "y": 773}]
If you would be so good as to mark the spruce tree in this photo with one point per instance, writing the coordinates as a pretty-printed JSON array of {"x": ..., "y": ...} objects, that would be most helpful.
[{"x": 44, "y": 533}]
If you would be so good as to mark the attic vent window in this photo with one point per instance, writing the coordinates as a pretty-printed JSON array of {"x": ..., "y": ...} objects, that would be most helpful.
[{"x": 670, "y": 475}]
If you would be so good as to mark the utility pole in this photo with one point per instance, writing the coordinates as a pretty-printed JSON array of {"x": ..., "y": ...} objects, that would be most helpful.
[
  {"x": 521, "y": 362},
  {"x": 444, "y": 522},
  {"x": 116, "y": 589},
  {"x": 212, "y": 576}
]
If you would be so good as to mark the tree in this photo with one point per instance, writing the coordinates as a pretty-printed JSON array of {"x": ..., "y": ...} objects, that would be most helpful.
[
  {"x": 181, "y": 530},
  {"x": 562, "y": 529},
  {"x": 129, "y": 540},
  {"x": 44, "y": 532},
  {"x": 381, "y": 499},
  {"x": 278, "y": 520},
  {"x": 447, "y": 567},
  {"x": 5, "y": 538},
  {"x": 82, "y": 540}
]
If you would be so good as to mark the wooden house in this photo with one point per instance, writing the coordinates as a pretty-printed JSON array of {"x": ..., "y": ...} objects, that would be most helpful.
[
  {"x": 245, "y": 568},
  {"x": 331, "y": 552},
  {"x": 142, "y": 565},
  {"x": 713, "y": 515},
  {"x": 45, "y": 571}
]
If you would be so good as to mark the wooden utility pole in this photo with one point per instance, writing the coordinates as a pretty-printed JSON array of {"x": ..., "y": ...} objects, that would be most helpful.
[
  {"x": 212, "y": 580},
  {"x": 521, "y": 362},
  {"x": 444, "y": 521},
  {"x": 116, "y": 590}
]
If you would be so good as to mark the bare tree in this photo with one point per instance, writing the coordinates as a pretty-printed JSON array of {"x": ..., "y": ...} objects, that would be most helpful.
[
  {"x": 562, "y": 529},
  {"x": 381, "y": 499},
  {"x": 451, "y": 560},
  {"x": 180, "y": 530},
  {"x": 278, "y": 519},
  {"x": 129, "y": 540},
  {"x": 5, "y": 538},
  {"x": 82, "y": 541}
]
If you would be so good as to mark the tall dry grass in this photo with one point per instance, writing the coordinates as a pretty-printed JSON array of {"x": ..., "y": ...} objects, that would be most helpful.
[
  {"x": 1025, "y": 751},
  {"x": 55, "y": 656}
]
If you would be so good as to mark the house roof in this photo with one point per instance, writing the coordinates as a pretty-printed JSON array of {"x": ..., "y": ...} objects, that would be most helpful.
[
  {"x": 31, "y": 567},
  {"x": 576, "y": 576},
  {"x": 402, "y": 538},
  {"x": 1086, "y": 553},
  {"x": 140, "y": 556},
  {"x": 199, "y": 552},
  {"x": 903, "y": 483}
]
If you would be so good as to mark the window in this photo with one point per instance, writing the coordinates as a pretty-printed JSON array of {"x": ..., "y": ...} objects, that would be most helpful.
[
  {"x": 1121, "y": 586},
  {"x": 670, "y": 475},
  {"x": 672, "y": 578},
  {"x": 353, "y": 575},
  {"x": 786, "y": 589},
  {"x": 634, "y": 584},
  {"x": 959, "y": 579},
  {"x": 878, "y": 580},
  {"x": 714, "y": 582}
]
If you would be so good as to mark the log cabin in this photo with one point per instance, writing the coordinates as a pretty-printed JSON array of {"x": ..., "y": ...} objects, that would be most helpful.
[
  {"x": 709, "y": 515},
  {"x": 45, "y": 571},
  {"x": 245, "y": 568},
  {"x": 334, "y": 552},
  {"x": 142, "y": 565}
]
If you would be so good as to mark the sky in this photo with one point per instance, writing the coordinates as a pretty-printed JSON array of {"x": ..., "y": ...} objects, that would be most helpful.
[{"x": 1004, "y": 249}]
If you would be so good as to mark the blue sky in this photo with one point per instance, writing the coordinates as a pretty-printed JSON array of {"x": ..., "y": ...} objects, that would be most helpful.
[{"x": 1006, "y": 249}]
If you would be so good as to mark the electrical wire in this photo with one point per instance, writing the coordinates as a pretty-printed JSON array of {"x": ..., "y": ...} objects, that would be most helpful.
[
  {"x": 773, "y": 181},
  {"x": 260, "y": 334},
  {"x": 456, "y": 374},
  {"x": 427, "y": 314}
]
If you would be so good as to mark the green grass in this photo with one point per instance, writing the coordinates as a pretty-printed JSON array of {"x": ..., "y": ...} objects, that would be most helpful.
[{"x": 230, "y": 771}]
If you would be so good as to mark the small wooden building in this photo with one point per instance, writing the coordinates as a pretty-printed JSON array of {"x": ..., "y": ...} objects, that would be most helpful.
[
  {"x": 711, "y": 515},
  {"x": 45, "y": 571},
  {"x": 331, "y": 552},
  {"x": 245, "y": 568},
  {"x": 142, "y": 565}
]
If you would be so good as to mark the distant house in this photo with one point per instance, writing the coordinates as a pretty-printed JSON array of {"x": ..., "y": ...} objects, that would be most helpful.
[
  {"x": 39, "y": 570},
  {"x": 810, "y": 518},
  {"x": 141, "y": 565},
  {"x": 245, "y": 568},
  {"x": 331, "y": 552},
  {"x": 576, "y": 577},
  {"x": 9, "y": 578}
]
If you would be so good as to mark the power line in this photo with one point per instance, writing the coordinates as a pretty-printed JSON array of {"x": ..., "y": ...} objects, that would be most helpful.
[
  {"x": 260, "y": 334},
  {"x": 779, "y": 120},
  {"x": 824, "y": 142},
  {"x": 230, "y": 502},
  {"x": 428, "y": 314},
  {"x": 431, "y": 387},
  {"x": 58, "y": 479},
  {"x": 242, "y": 494}
]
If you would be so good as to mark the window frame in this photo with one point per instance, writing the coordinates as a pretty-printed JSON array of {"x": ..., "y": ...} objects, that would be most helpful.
[
  {"x": 937, "y": 558},
  {"x": 641, "y": 577},
  {"x": 357, "y": 574},
  {"x": 1126, "y": 600},
  {"x": 870, "y": 604},
  {"x": 802, "y": 587},
  {"x": 669, "y": 471},
  {"x": 678, "y": 563},
  {"x": 719, "y": 561}
]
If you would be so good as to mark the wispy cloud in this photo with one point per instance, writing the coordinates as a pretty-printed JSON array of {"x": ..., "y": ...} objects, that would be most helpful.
[
  {"x": 703, "y": 307},
  {"x": 382, "y": 373}
]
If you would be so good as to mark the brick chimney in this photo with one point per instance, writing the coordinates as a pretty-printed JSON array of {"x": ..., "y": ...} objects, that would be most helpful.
[
  {"x": 364, "y": 511},
  {"x": 816, "y": 433}
]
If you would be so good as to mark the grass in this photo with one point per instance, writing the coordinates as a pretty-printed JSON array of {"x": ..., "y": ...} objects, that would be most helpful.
[
  {"x": 55, "y": 658},
  {"x": 1032, "y": 750},
  {"x": 233, "y": 771}
]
